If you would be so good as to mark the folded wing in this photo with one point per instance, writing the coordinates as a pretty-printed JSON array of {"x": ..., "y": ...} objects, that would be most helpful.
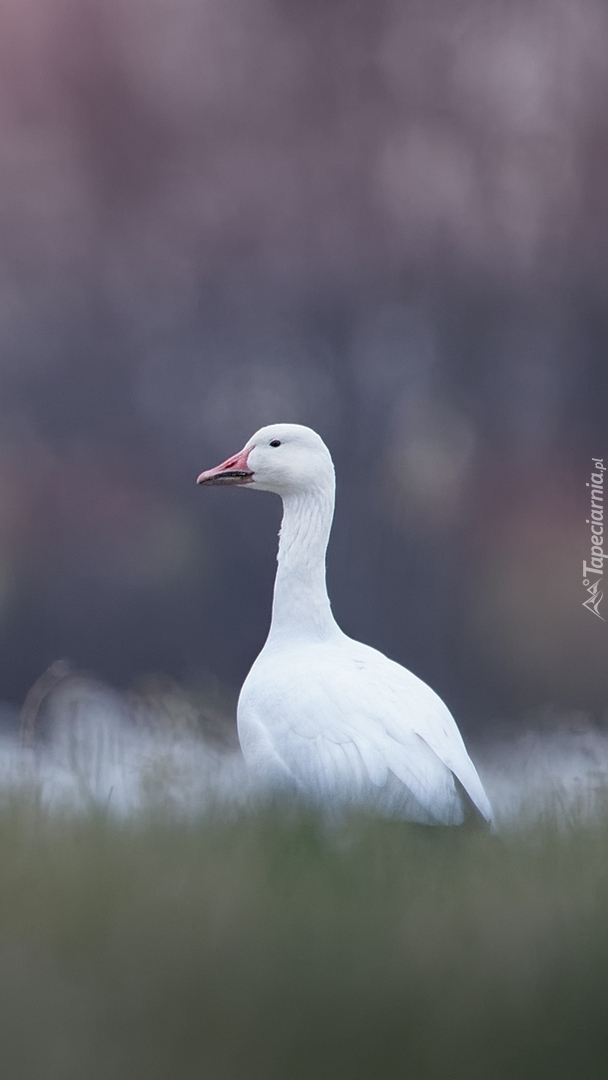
[{"x": 360, "y": 722}]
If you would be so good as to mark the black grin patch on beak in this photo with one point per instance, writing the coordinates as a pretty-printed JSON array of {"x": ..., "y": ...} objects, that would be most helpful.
[{"x": 231, "y": 476}]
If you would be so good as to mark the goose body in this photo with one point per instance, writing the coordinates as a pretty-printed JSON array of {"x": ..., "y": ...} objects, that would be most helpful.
[{"x": 321, "y": 713}]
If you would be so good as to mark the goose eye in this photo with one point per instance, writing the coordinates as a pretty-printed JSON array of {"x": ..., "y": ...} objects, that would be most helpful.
[{"x": 275, "y": 442}]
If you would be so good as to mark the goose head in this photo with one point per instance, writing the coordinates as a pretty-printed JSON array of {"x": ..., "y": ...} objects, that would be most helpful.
[{"x": 284, "y": 458}]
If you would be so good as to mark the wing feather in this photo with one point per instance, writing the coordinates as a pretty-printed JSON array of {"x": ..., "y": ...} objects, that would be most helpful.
[{"x": 349, "y": 718}]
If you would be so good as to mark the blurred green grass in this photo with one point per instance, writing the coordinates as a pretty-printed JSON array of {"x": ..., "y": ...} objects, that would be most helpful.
[{"x": 270, "y": 946}]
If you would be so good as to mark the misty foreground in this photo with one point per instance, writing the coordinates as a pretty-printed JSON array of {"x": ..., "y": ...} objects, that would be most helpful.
[{"x": 265, "y": 943}]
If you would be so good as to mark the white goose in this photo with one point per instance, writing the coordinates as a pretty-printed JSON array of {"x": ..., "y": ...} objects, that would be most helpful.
[{"x": 319, "y": 712}]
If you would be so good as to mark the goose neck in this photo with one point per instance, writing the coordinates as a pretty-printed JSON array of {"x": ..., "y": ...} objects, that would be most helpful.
[{"x": 301, "y": 605}]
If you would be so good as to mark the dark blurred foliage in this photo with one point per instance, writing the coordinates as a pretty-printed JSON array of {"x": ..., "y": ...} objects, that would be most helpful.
[
  {"x": 271, "y": 947},
  {"x": 384, "y": 219}
]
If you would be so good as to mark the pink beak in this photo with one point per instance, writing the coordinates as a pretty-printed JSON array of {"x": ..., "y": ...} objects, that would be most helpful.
[{"x": 233, "y": 471}]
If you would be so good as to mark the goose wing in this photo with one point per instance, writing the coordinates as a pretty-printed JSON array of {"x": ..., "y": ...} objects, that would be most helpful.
[
  {"x": 413, "y": 707},
  {"x": 350, "y": 716}
]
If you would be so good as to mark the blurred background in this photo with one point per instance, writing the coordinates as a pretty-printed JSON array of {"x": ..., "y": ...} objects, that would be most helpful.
[{"x": 384, "y": 219}]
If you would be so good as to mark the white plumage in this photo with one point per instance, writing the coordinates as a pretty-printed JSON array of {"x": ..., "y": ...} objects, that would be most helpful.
[{"x": 319, "y": 712}]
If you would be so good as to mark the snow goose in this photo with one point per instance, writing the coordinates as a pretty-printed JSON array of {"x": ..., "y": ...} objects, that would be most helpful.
[{"x": 323, "y": 714}]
